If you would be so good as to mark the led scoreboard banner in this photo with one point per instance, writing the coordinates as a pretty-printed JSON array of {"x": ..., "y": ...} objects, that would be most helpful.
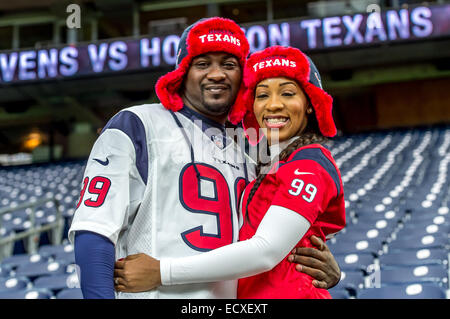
[{"x": 149, "y": 53}]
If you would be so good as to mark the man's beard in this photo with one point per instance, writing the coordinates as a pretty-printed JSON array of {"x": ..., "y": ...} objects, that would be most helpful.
[{"x": 217, "y": 108}]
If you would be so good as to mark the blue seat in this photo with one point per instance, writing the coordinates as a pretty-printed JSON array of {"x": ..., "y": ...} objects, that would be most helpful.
[
  {"x": 22, "y": 213},
  {"x": 21, "y": 259},
  {"x": 426, "y": 215},
  {"x": 355, "y": 261},
  {"x": 54, "y": 249},
  {"x": 68, "y": 257},
  {"x": 411, "y": 291},
  {"x": 419, "y": 242},
  {"x": 347, "y": 246},
  {"x": 351, "y": 280},
  {"x": 32, "y": 293},
  {"x": 5, "y": 270},
  {"x": 59, "y": 252},
  {"x": 419, "y": 274},
  {"x": 57, "y": 282},
  {"x": 6, "y": 230},
  {"x": 13, "y": 283},
  {"x": 415, "y": 257},
  {"x": 358, "y": 234},
  {"x": 423, "y": 228},
  {"x": 337, "y": 293},
  {"x": 70, "y": 293},
  {"x": 33, "y": 271},
  {"x": 381, "y": 224}
]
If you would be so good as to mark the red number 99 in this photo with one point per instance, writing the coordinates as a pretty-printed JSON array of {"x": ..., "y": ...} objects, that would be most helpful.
[{"x": 99, "y": 186}]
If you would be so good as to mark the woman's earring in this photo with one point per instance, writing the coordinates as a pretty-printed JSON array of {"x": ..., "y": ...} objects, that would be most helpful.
[{"x": 309, "y": 110}]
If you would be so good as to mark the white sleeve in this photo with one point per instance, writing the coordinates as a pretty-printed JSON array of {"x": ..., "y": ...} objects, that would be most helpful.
[
  {"x": 110, "y": 205},
  {"x": 278, "y": 233}
]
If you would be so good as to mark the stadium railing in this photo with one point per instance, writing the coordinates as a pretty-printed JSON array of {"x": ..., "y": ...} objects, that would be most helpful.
[{"x": 31, "y": 234}]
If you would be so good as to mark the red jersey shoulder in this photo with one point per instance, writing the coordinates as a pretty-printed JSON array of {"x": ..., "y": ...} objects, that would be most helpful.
[{"x": 314, "y": 159}]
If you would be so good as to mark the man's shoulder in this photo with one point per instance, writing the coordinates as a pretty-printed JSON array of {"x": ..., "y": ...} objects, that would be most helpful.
[
  {"x": 137, "y": 118},
  {"x": 145, "y": 108}
]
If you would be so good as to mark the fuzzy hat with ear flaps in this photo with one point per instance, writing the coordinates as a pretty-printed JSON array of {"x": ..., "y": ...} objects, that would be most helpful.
[
  {"x": 278, "y": 61},
  {"x": 206, "y": 35}
]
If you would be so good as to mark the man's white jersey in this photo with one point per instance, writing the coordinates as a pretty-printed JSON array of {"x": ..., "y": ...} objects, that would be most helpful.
[{"x": 150, "y": 188}]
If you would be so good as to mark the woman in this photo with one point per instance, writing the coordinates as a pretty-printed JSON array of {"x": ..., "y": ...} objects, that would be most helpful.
[{"x": 300, "y": 196}]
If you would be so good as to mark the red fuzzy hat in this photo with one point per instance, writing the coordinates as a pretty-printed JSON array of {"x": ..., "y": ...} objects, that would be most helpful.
[
  {"x": 279, "y": 61},
  {"x": 206, "y": 35}
]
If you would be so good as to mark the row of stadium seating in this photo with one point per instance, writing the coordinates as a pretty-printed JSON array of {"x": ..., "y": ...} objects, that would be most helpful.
[
  {"x": 395, "y": 244},
  {"x": 50, "y": 273}
]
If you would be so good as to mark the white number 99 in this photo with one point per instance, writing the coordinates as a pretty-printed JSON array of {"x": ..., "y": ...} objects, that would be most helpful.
[
  {"x": 310, "y": 189},
  {"x": 298, "y": 185}
]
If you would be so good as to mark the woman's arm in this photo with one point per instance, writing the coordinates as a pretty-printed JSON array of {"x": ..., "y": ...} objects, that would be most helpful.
[{"x": 279, "y": 231}]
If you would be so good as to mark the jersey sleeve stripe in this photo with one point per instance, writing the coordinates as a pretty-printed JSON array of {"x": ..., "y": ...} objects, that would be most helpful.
[
  {"x": 131, "y": 125},
  {"x": 317, "y": 155}
]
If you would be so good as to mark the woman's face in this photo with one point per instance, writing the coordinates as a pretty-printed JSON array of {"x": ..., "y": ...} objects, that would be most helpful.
[{"x": 280, "y": 104}]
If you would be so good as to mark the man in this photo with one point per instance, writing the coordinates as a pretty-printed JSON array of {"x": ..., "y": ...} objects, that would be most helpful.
[{"x": 165, "y": 179}]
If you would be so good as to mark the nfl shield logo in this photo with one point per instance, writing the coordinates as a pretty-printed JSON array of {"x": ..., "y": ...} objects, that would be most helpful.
[{"x": 217, "y": 140}]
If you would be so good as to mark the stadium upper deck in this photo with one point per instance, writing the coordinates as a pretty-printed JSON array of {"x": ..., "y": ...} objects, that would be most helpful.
[{"x": 68, "y": 66}]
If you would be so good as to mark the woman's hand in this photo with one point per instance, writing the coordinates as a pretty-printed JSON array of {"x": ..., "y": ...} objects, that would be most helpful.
[
  {"x": 318, "y": 263},
  {"x": 136, "y": 273}
]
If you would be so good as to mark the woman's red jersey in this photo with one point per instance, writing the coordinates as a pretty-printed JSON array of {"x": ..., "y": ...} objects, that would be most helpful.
[{"x": 309, "y": 183}]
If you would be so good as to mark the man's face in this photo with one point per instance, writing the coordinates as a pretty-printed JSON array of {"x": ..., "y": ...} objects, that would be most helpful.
[{"x": 212, "y": 83}]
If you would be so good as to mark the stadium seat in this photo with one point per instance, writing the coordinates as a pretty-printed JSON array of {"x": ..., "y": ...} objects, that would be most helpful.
[
  {"x": 337, "y": 293},
  {"x": 13, "y": 283},
  {"x": 54, "y": 249},
  {"x": 6, "y": 231},
  {"x": 355, "y": 261},
  {"x": 381, "y": 223},
  {"x": 359, "y": 234},
  {"x": 419, "y": 274},
  {"x": 346, "y": 246},
  {"x": 351, "y": 280},
  {"x": 70, "y": 293},
  {"x": 424, "y": 227},
  {"x": 415, "y": 257},
  {"x": 59, "y": 252},
  {"x": 57, "y": 282},
  {"x": 416, "y": 212},
  {"x": 419, "y": 242},
  {"x": 20, "y": 259},
  {"x": 68, "y": 258},
  {"x": 411, "y": 291},
  {"x": 5, "y": 270},
  {"x": 33, "y": 271},
  {"x": 32, "y": 293}
]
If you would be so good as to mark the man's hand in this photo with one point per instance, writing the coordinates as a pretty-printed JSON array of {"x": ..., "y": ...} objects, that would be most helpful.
[
  {"x": 318, "y": 263},
  {"x": 136, "y": 273}
]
